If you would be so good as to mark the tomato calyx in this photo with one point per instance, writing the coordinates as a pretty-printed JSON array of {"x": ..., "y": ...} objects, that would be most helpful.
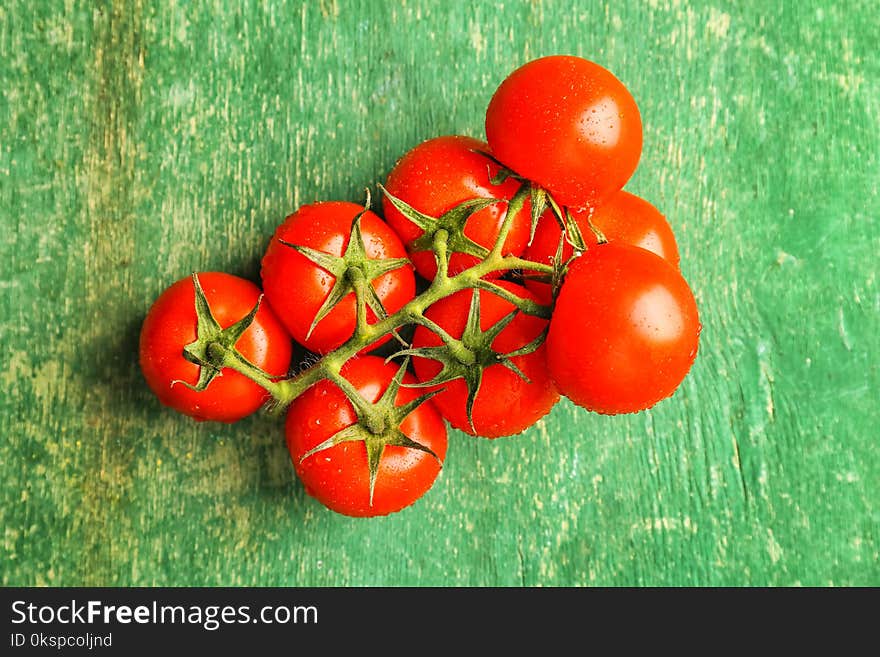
[
  {"x": 571, "y": 234},
  {"x": 468, "y": 357},
  {"x": 539, "y": 198},
  {"x": 560, "y": 266},
  {"x": 353, "y": 272},
  {"x": 378, "y": 423},
  {"x": 504, "y": 172},
  {"x": 452, "y": 222},
  {"x": 214, "y": 345}
]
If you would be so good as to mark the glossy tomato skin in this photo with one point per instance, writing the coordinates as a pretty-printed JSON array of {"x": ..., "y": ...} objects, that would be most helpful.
[
  {"x": 437, "y": 175},
  {"x": 569, "y": 125},
  {"x": 624, "y": 217},
  {"x": 505, "y": 404},
  {"x": 624, "y": 332},
  {"x": 338, "y": 477},
  {"x": 297, "y": 287},
  {"x": 170, "y": 325}
]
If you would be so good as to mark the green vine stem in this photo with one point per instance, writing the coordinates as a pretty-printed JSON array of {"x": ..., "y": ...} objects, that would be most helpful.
[{"x": 329, "y": 366}]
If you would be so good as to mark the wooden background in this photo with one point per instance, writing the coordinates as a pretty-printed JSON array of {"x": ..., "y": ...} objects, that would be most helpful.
[{"x": 140, "y": 141}]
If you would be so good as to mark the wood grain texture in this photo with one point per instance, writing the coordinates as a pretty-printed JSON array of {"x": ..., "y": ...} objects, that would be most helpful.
[{"x": 140, "y": 141}]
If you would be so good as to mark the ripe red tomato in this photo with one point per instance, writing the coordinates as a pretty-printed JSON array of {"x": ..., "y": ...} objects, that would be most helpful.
[
  {"x": 170, "y": 325},
  {"x": 624, "y": 217},
  {"x": 624, "y": 331},
  {"x": 506, "y": 404},
  {"x": 437, "y": 175},
  {"x": 339, "y": 476},
  {"x": 567, "y": 124},
  {"x": 297, "y": 287}
]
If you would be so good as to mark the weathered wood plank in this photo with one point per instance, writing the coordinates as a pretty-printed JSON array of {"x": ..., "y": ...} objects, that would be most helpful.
[{"x": 143, "y": 140}]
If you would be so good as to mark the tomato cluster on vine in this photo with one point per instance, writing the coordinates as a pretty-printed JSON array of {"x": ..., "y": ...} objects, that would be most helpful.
[{"x": 501, "y": 275}]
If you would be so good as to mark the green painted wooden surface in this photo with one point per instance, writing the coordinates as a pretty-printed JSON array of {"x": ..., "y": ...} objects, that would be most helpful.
[{"x": 140, "y": 141}]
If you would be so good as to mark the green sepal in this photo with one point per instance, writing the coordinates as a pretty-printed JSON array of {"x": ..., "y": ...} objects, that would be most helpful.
[
  {"x": 378, "y": 426},
  {"x": 570, "y": 229},
  {"x": 207, "y": 373},
  {"x": 504, "y": 172},
  {"x": 525, "y": 350},
  {"x": 527, "y": 306},
  {"x": 452, "y": 368},
  {"x": 600, "y": 236},
  {"x": 326, "y": 261},
  {"x": 350, "y": 433},
  {"x": 538, "y": 197},
  {"x": 452, "y": 221},
  {"x": 509, "y": 364},
  {"x": 559, "y": 267},
  {"x": 467, "y": 358},
  {"x": 502, "y": 176},
  {"x": 573, "y": 233},
  {"x": 343, "y": 268},
  {"x": 212, "y": 341}
]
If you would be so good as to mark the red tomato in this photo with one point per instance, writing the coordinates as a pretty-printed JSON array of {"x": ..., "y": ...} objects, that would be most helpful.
[
  {"x": 569, "y": 125},
  {"x": 437, "y": 175},
  {"x": 624, "y": 332},
  {"x": 506, "y": 404},
  {"x": 170, "y": 325},
  {"x": 624, "y": 217},
  {"x": 297, "y": 287},
  {"x": 339, "y": 476}
]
